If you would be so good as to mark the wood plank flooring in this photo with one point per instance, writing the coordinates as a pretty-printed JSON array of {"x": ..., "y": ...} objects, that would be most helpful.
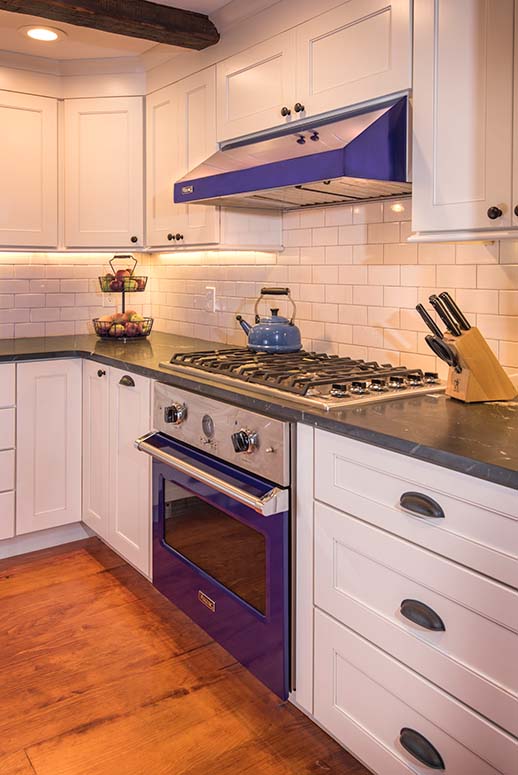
[{"x": 100, "y": 675}]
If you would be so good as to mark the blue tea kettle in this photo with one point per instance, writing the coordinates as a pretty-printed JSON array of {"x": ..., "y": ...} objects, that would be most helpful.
[{"x": 274, "y": 334}]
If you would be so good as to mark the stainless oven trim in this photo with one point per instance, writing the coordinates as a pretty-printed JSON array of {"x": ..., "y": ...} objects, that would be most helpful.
[{"x": 273, "y": 502}]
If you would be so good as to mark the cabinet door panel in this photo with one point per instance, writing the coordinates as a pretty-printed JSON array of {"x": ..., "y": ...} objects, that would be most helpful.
[
  {"x": 253, "y": 87},
  {"x": 129, "y": 497},
  {"x": 463, "y": 69},
  {"x": 48, "y": 477},
  {"x": 180, "y": 135},
  {"x": 356, "y": 52},
  {"x": 29, "y": 170},
  {"x": 6, "y": 515},
  {"x": 96, "y": 452},
  {"x": 104, "y": 172}
]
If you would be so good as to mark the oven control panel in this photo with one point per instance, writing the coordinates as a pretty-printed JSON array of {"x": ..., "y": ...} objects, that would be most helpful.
[{"x": 238, "y": 436}]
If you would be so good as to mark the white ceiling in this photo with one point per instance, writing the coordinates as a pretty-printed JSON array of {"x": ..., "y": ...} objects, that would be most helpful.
[{"x": 82, "y": 42}]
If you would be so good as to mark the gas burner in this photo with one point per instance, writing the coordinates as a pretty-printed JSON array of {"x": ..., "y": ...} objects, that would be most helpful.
[{"x": 317, "y": 379}]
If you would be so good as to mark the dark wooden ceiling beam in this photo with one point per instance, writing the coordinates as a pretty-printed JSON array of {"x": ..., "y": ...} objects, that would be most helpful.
[{"x": 134, "y": 18}]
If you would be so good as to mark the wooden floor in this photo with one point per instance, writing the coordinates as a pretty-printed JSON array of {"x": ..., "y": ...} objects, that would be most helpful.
[{"x": 100, "y": 675}]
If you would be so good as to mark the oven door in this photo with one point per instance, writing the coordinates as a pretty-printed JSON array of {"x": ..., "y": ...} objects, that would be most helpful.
[{"x": 220, "y": 553}]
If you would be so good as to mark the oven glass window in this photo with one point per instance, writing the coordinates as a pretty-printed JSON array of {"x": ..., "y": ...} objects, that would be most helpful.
[{"x": 229, "y": 551}]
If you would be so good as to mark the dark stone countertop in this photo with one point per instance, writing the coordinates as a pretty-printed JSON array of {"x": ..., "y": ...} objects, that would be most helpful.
[{"x": 480, "y": 440}]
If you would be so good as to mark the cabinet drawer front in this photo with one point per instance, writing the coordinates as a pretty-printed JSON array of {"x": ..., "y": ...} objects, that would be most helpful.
[
  {"x": 7, "y": 384},
  {"x": 480, "y": 524},
  {"x": 7, "y": 470},
  {"x": 6, "y": 514},
  {"x": 7, "y": 428},
  {"x": 365, "y": 698},
  {"x": 362, "y": 577}
]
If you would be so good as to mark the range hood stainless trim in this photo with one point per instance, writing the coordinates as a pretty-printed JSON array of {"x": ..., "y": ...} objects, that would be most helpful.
[{"x": 361, "y": 155}]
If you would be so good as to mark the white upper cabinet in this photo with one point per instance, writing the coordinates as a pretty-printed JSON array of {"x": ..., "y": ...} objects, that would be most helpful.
[
  {"x": 181, "y": 134},
  {"x": 256, "y": 87},
  {"x": 463, "y": 95},
  {"x": 48, "y": 465},
  {"x": 356, "y": 52},
  {"x": 28, "y": 171},
  {"x": 104, "y": 172}
]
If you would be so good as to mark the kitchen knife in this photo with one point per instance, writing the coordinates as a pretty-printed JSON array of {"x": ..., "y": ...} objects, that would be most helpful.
[
  {"x": 430, "y": 322},
  {"x": 454, "y": 310},
  {"x": 445, "y": 316}
]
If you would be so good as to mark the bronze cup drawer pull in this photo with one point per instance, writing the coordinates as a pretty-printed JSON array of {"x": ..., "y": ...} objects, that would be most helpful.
[
  {"x": 421, "y": 749},
  {"x": 127, "y": 381},
  {"x": 421, "y": 505},
  {"x": 422, "y": 615}
]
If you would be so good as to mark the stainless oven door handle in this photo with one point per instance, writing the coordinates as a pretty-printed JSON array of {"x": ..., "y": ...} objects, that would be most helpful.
[{"x": 273, "y": 502}]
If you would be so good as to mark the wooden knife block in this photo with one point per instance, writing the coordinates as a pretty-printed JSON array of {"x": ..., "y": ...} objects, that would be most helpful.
[{"x": 482, "y": 377}]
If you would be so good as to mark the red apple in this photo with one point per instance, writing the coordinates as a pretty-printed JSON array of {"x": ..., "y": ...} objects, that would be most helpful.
[{"x": 117, "y": 330}]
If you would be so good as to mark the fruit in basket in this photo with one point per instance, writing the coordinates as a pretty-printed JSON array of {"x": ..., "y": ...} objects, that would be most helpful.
[
  {"x": 141, "y": 283},
  {"x": 130, "y": 284},
  {"x": 117, "y": 329},
  {"x": 132, "y": 329},
  {"x": 122, "y": 273},
  {"x": 135, "y": 318},
  {"x": 116, "y": 285}
]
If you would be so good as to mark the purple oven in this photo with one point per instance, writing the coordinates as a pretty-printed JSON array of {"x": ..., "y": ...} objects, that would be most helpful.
[{"x": 221, "y": 534}]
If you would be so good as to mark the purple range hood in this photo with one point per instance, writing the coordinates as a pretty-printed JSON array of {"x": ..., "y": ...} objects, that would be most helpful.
[{"x": 361, "y": 154}]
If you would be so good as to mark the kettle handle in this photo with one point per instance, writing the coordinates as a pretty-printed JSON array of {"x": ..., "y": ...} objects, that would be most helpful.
[{"x": 275, "y": 292}]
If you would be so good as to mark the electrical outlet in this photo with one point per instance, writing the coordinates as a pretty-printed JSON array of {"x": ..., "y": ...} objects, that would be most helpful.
[{"x": 210, "y": 298}]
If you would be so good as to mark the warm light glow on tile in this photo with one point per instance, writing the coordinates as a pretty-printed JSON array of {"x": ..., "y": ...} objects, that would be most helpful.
[{"x": 397, "y": 207}]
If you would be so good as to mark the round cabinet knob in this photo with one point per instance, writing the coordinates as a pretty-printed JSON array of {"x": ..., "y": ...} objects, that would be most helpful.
[
  {"x": 171, "y": 237},
  {"x": 494, "y": 212},
  {"x": 516, "y": 210},
  {"x": 245, "y": 441},
  {"x": 134, "y": 239},
  {"x": 179, "y": 237},
  {"x": 175, "y": 414},
  {"x": 285, "y": 112},
  {"x": 101, "y": 373},
  {"x": 299, "y": 107}
]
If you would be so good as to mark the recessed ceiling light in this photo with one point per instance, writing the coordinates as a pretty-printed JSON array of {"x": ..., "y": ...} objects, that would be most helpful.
[{"x": 43, "y": 34}]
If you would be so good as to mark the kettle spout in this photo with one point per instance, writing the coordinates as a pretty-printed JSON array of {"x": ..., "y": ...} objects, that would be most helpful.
[{"x": 244, "y": 325}]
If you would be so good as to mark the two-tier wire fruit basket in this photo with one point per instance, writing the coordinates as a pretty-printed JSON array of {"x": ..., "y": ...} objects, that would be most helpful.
[{"x": 125, "y": 325}]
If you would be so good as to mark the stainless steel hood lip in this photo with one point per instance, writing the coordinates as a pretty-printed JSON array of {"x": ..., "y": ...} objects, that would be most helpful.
[{"x": 360, "y": 156}]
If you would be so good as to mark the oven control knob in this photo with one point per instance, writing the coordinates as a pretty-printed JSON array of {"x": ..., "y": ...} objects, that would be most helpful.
[
  {"x": 431, "y": 377},
  {"x": 359, "y": 387},
  {"x": 378, "y": 385},
  {"x": 245, "y": 441},
  {"x": 176, "y": 414},
  {"x": 397, "y": 383}
]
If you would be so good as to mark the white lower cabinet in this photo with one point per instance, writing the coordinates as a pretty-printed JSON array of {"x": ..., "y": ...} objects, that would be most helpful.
[
  {"x": 116, "y": 477},
  {"x": 407, "y": 609},
  {"x": 395, "y": 721},
  {"x": 6, "y": 514},
  {"x": 48, "y": 467}
]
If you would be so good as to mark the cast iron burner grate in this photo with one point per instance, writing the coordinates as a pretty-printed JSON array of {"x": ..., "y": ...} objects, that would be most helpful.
[{"x": 295, "y": 373}]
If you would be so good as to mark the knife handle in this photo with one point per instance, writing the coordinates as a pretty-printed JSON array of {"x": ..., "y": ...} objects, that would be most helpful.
[
  {"x": 453, "y": 308},
  {"x": 445, "y": 316},
  {"x": 430, "y": 322}
]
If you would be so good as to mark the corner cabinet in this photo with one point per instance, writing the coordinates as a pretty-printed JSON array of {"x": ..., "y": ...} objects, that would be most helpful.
[
  {"x": 28, "y": 170},
  {"x": 104, "y": 173},
  {"x": 116, "y": 477},
  {"x": 463, "y": 116},
  {"x": 48, "y": 480},
  {"x": 356, "y": 52}
]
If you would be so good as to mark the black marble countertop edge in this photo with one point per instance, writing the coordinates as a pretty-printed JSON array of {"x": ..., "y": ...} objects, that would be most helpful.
[{"x": 456, "y": 437}]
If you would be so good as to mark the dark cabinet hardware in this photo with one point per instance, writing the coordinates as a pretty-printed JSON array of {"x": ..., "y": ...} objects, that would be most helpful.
[
  {"x": 171, "y": 237},
  {"x": 421, "y": 614},
  {"x": 516, "y": 210},
  {"x": 101, "y": 373},
  {"x": 127, "y": 381},
  {"x": 285, "y": 111},
  {"x": 299, "y": 107},
  {"x": 315, "y": 137},
  {"x": 421, "y": 505},
  {"x": 134, "y": 239},
  {"x": 178, "y": 237},
  {"x": 494, "y": 212},
  {"x": 421, "y": 749},
  {"x": 301, "y": 140},
  {"x": 275, "y": 291}
]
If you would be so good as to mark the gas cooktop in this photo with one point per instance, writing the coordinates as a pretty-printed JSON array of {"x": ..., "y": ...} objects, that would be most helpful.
[{"x": 314, "y": 379}]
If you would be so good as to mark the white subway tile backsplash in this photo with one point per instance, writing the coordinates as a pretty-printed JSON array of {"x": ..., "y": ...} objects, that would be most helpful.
[
  {"x": 436, "y": 253},
  {"x": 418, "y": 276},
  {"x": 383, "y": 232},
  {"x": 352, "y": 235},
  {"x": 339, "y": 216},
  {"x": 384, "y": 275},
  {"x": 367, "y": 254},
  {"x": 477, "y": 300},
  {"x": 370, "y": 212},
  {"x": 503, "y": 277},
  {"x": 449, "y": 277},
  {"x": 399, "y": 253}
]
